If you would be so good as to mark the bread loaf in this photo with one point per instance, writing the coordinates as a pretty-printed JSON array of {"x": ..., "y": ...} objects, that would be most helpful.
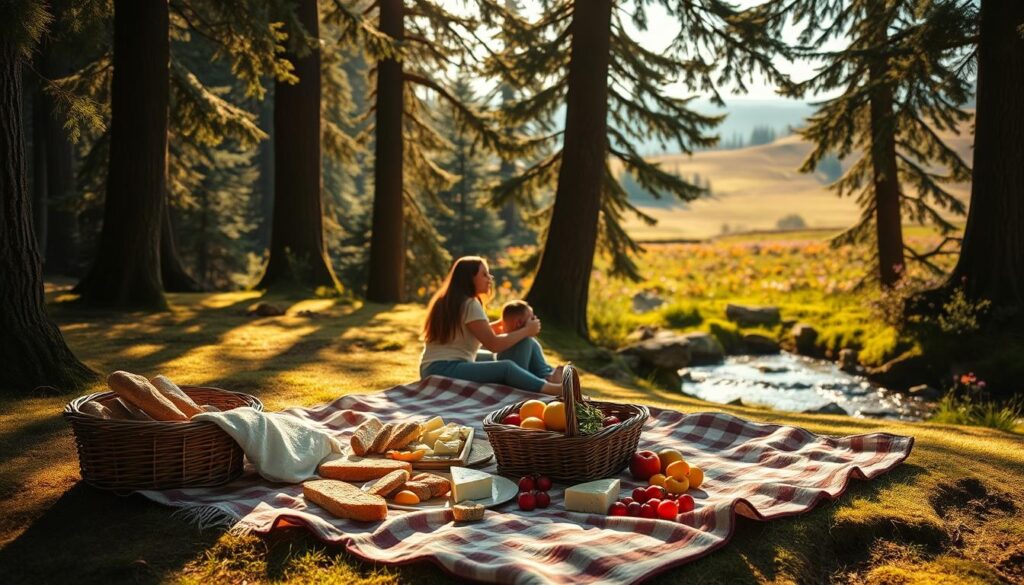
[
  {"x": 359, "y": 469},
  {"x": 176, "y": 395},
  {"x": 345, "y": 500},
  {"x": 125, "y": 410},
  {"x": 364, "y": 436},
  {"x": 421, "y": 489},
  {"x": 95, "y": 408},
  {"x": 439, "y": 486},
  {"x": 139, "y": 392}
]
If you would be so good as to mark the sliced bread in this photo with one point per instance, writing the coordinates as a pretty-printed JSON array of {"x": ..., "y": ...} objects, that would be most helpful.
[{"x": 345, "y": 500}]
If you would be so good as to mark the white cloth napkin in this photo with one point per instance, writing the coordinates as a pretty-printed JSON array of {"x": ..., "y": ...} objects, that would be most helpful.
[{"x": 283, "y": 447}]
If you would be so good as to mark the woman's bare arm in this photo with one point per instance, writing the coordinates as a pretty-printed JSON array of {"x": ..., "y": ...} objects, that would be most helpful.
[{"x": 498, "y": 343}]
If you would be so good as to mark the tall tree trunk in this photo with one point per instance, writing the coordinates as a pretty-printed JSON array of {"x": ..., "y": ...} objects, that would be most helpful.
[
  {"x": 33, "y": 350},
  {"x": 509, "y": 214},
  {"x": 560, "y": 290},
  {"x": 126, "y": 271},
  {"x": 298, "y": 257},
  {"x": 172, "y": 270},
  {"x": 40, "y": 168},
  {"x": 202, "y": 246},
  {"x": 265, "y": 162},
  {"x": 991, "y": 264},
  {"x": 386, "y": 281},
  {"x": 888, "y": 225}
]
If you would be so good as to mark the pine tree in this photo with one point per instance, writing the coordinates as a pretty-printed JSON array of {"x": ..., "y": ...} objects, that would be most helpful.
[
  {"x": 34, "y": 350},
  {"x": 432, "y": 40},
  {"x": 613, "y": 90},
  {"x": 899, "y": 90}
]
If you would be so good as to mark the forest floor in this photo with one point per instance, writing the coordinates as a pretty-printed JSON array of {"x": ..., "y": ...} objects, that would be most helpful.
[{"x": 950, "y": 513}]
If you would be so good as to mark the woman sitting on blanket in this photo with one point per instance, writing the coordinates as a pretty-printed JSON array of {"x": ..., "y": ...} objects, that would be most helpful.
[{"x": 457, "y": 326}]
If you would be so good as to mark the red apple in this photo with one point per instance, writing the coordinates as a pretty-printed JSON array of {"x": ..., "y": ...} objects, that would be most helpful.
[
  {"x": 543, "y": 499},
  {"x": 609, "y": 421},
  {"x": 512, "y": 419},
  {"x": 644, "y": 464}
]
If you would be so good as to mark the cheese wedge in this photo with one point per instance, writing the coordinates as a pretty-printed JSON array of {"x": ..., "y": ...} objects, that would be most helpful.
[
  {"x": 447, "y": 447},
  {"x": 470, "y": 484},
  {"x": 593, "y": 497},
  {"x": 432, "y": 424}
]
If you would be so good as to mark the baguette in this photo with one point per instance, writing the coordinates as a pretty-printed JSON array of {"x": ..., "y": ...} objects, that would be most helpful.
[
  {"x": 139, "y": 392},
  {"x": 364, "y": 436},
  {"x": 382, "y": 439},
  {"x": 126, "y": 410},
  {"x": 345, "y": 500},
  {"x": 359, "y": 469},
  {"x": 176, "y": 395},
  {"x": 95, "y": 408}
]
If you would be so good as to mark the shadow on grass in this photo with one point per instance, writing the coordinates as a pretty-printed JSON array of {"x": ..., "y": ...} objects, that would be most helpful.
[{"x": 90, "y": 536}]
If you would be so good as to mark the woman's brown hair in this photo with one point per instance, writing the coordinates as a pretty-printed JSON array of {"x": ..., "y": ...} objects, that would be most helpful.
[{"x": 444, "y": 313}]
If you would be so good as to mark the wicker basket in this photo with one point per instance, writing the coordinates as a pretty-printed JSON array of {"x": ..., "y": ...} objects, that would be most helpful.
[
  {"x": 130, "y": 455},
  {"x": 568, "y": 457}
]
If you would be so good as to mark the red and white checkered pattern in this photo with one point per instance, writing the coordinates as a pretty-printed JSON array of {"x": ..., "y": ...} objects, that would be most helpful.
[{"x": 760, "y": 471}]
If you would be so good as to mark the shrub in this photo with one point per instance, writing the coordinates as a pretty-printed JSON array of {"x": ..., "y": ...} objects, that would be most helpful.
[
  {"x": 681, "y": 316},
  {"x": 968, "y": 403}
]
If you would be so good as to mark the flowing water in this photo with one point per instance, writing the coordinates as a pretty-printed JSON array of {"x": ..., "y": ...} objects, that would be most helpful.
[{"x": 796, "y": 383}]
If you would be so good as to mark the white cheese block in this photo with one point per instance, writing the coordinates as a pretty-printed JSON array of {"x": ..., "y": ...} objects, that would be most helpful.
[
  {"x": 470, "y": 484},
  {"x": 447, "y": 447},
  {"x": 593, "y": 497},
  {"x": 432, "y": 424}
]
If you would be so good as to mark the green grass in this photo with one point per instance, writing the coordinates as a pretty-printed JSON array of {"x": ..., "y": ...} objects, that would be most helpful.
[{"x": 925, "y": 522}]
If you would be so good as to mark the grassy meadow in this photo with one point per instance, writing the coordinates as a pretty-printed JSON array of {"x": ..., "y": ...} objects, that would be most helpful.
[{"x": 949, "y": 514}]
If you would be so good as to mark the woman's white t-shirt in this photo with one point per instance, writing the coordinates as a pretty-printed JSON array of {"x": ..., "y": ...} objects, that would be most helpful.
[{"x": 464, "y": 345}]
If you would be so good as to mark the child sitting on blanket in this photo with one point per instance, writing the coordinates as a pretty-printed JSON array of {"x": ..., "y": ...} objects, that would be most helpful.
[{"x": 515, "y": 315}]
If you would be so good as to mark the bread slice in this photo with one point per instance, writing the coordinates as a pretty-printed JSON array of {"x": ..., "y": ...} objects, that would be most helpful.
[
  {"x": 140, "y": 393},
  {"x": 364, "y": 436},
  {"x": 467, "y": 512},
  {"x": 422, "y": 490},
  {"x": 382, "y": 439},
  {"x": 439, "y": 486},
  {"x": 360, "y": 469},
  {"x": 389, "y": 484},
  {"x": 176, "y": 395},
  {"x": 345, "y": 500},
  {"x": 404, "y": 434}
]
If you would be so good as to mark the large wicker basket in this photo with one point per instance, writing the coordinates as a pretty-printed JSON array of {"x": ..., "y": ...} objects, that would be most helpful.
[
  {"x": 128, "y": 455},
  {"x": 568, "y": 457}
]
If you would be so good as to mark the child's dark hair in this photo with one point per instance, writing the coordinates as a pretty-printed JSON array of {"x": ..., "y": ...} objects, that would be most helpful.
[{"x": 514, "y": 309}]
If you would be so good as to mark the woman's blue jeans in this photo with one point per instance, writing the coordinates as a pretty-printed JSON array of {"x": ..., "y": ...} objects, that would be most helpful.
[{"x": 502, "y": 371}]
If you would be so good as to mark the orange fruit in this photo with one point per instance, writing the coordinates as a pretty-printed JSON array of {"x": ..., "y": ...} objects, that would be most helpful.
[
  {"x": 533, "y": 423},
  {"x": 667, "y": 457},
  {"x": 677, "y": 469},
  {"x": 554, "y": 416},
  {"x": 676, "y": 486},
  {"x": 657, "y": 479},
  {"x": 696, "y": 477},
  {"x": 407, "y": 455},
  {"x": 406, "y": 498},
  {"x": 532, "y": 408}
]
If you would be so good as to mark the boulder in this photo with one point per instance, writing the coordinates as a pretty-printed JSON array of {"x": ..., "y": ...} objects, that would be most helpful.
[
  {"x": 613, "y": 372},
  {"x": 765, "y": 369},
  {"x": 925, "y": 392},
  {"x": 804, "y": 338},
  {"x": 642, "y": 333},
  {"x": 705, "y": 349},
  {"x": 750, "y": 315},
  {"x": 849, "y": 361},
  {"x": 755, "y": 344},
  {"x": 903, "y": 372},
  {"x": 646, "y": 301},
  {"x": 830, "y": 408},
  {"x": 661, "y": 352}
]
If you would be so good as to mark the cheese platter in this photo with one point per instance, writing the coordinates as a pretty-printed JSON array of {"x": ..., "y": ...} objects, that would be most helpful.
[{"x": 464, "y": 486}]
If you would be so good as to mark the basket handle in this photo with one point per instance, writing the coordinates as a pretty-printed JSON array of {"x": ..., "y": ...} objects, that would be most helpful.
[{"x": 570, "y": 395}]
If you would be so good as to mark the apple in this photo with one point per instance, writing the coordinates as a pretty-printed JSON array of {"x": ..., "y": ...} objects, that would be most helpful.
[
  {"x": 644, "y": 464},
  {"x": 668, "y": 509},
  {"x": 655, "y": 491},
  {"x": 543, "y": 499},
  {"x": 609, "y": 421},
  {"x": 527, "y": 501},
  {"x": 543, "y": 483},
  {"x": 512, "y": 419},
  {"x": 526, "y": 483}
]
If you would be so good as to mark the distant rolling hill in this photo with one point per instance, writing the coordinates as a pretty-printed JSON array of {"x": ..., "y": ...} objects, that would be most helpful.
[{"x": 753, "y": 188}]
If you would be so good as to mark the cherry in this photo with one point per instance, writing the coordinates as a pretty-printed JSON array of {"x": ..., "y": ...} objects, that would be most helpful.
[
  {"x": 543, "y": 499},
  {"x": 543, "y": 483},
  {"x": 633, "y": 509},
  {"x": 640, "y": 495},
  {"x": 526, "y": 483},
  {"x": 617, "y": 509},
  {"x": 648, "y": 511},
  {"x": 668, "y": 509},
  {"x": 527, "y": 501},
  {"x": 627, "y": 500},
  {"x": 686, "y": 503}
]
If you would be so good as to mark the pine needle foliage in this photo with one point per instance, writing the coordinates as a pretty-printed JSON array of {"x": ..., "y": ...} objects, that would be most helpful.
[
  {"x": 716, "y": 44},
  {"x": 919, "y": 47}
]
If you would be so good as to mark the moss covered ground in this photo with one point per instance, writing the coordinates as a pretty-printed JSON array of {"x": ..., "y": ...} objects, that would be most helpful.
[{"x": 950, "y": 514}]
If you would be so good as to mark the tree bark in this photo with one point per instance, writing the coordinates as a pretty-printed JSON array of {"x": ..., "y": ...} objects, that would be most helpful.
[
  {"x": 126, "y": 271},
  {"x": 386, "y": 281},
  {"x": 33, "y": 349},
  {"x": 560, "y": 290},
  {"x": 888, "y": 223},
  {"x": 265, "y": 162},
  {"x": 172, "y": 269},
  {"x": 509, "y": 214},
  {"x": 991, "y": 264},
  {"x": 40, "y": 168},
  {"x": 298, "y": 257}
]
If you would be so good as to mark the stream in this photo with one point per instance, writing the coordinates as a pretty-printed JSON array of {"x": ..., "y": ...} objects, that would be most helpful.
[{"x": 796, "y": 383}]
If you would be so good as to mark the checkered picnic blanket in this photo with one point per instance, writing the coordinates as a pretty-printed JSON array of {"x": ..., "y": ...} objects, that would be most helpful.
[{"x": 761, "y": 471}]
